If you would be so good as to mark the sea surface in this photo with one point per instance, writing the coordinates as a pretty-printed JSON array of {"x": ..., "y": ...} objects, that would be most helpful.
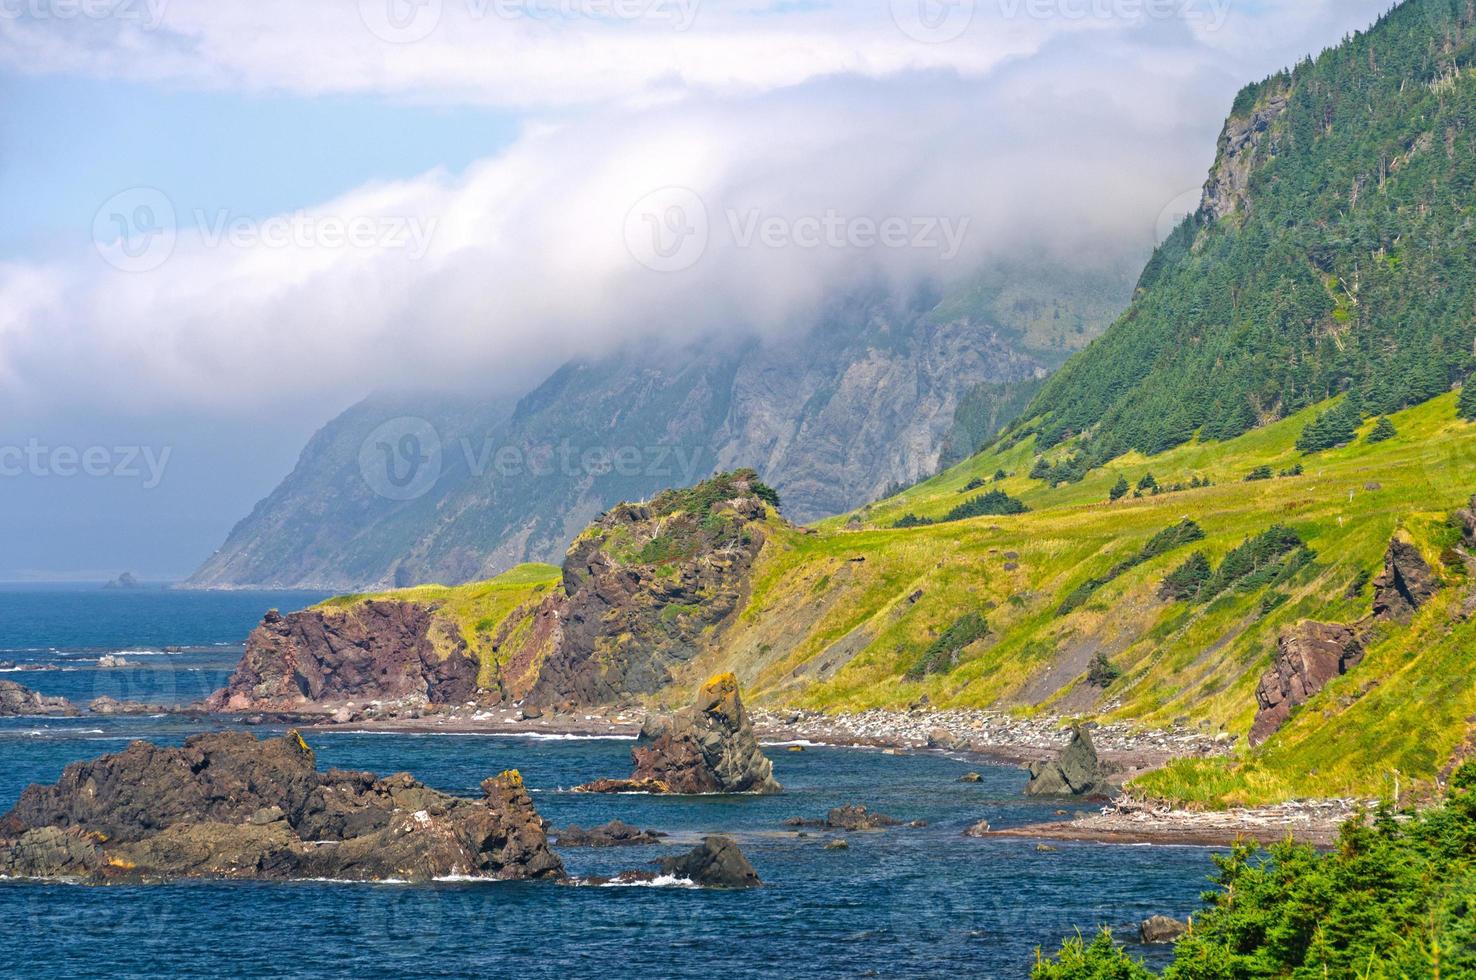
[{"x": 899, "y": 903}]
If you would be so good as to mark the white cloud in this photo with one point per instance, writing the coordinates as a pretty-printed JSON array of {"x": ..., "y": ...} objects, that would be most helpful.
[
  {"x": 801, "y": 128},
  {"x": 543, "y": 53}
]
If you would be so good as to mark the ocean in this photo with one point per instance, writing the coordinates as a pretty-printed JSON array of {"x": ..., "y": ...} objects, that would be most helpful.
[{"x": 898, "y": 903}]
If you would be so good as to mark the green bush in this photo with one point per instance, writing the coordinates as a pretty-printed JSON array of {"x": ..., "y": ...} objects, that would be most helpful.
[
  {"x": 942, "y": 655},
  {"x": 1396, "y": 898}
]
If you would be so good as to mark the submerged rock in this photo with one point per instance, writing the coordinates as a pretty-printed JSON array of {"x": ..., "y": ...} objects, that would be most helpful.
[
  {"x": 1077, "y": 773},
  {"x": 1307, "y": 656},
  {"x": 112, "y": 706},
  {"x": 858, "y": 818},
  {"x": 17, "y": 701},
  {"x": 616, "y": 833},
  {"x": 708, "y": 747},
  {"x": 1161, "y": 930},
  {"x": 228, "y": 806}
]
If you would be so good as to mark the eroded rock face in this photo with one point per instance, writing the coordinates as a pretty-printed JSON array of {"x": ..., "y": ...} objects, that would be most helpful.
[
  {"x": 373, "y": 651},
  {"x": 1077, "y": 773},
  {"x": 1307, "y": 656},
  {"x": 17, "y": 701},
  {"x": 642, "y": 589},
  {"x": 707, "y": 747},
  {"x": 228, "y": 806},
  {"x": 1406, "y": 584},
  {"x": 1244, "y": 144}
]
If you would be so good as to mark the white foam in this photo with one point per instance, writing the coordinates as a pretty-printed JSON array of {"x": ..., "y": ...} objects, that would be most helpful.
[{"x": 660, "y": 881}]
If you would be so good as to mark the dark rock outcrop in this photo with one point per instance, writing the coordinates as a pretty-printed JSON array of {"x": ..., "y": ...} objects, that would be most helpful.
[
  {"x": 228, "y": 806},
  {"x": 371, "y": 651},
  {"x": 1307, "y": 656},
  {"x": 707, "y": 747},
  {"x": 857, "y": 817},
  {"x": 1077, "y": 773},
  {"x": 17, "y": 701},
  {"x": 1161, "y": 930},
  {"x": 616, "y": 833},
  {"x": 644, "y": 586},
  {"x": 1406, "y": 584},
  {"x": 715, "y": 863}
]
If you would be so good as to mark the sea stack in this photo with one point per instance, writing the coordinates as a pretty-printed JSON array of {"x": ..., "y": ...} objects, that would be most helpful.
[
  {"x": 707, "y": 747},
  {"x": 1076, "y": 773}
]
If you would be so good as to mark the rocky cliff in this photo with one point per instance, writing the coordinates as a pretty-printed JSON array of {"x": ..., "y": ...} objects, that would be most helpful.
[
  {"x": 644, "y": 591},
  {"x": 408, "y": 489},
  {"x": 372, "y": 651}
]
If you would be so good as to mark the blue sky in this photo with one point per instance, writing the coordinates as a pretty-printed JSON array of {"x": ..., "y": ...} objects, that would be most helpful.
[
  {"x": 68, "y": 143},
  {"x": 498, "y": 165}
]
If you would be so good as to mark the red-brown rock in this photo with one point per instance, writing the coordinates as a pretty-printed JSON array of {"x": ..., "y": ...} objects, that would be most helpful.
[{"x": 1308, "y": 656}]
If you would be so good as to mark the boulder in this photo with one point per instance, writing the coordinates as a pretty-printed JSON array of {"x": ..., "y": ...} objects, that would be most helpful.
[
  {"x": 225, "y": 805},
  {"x": 1077, "y": 773},
  {"x": 616, "y": 833},
  {"x": 17, "y": 702},
  {"x": 708, "y": 747},
  {"x": 970, "y": 777},
  {"x": 1161, "y": 930},
  {"x": 1307, "y": 656},
  {"x": 980, "y": 829},
  {"x": 715, "y": 863},
  {"x": 1406, "y": 583}
]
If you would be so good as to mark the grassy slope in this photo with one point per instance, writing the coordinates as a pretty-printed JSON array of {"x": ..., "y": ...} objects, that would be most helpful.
[
  {"x": 838, "y": 614},
  {"x": 1407, "y": 705}
]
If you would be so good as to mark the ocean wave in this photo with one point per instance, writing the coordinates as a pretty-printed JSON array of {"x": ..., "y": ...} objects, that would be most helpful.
[
  {"x": 660, "y": 881},
  {"x": 535, "y": 736}
]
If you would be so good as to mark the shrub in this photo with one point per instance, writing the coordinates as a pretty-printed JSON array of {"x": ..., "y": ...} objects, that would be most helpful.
[
  {"x": 1120, "y": 489},
  {"x": 1258, "y": 474},
  {"x": 942, "y": 655}
]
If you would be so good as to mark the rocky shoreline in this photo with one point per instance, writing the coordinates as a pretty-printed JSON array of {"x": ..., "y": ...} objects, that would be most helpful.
[{"x": 1129, "y": 821}]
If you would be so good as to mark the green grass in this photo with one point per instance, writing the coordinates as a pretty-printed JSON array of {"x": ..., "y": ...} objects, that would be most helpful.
[
  {"x": 1187, "y": 664},
  {"x": 838, "y": 616}
]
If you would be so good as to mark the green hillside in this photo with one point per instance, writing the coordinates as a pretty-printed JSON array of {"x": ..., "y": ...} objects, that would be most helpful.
[{"x": 1333, "y": 252}]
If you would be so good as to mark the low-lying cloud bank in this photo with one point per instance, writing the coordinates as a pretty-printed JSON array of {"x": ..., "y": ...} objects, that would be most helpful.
[{"x": 737, "y": 174}]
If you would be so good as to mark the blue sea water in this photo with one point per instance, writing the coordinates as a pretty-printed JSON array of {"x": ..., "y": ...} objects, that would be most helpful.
[{"x": 899, "y": 903}]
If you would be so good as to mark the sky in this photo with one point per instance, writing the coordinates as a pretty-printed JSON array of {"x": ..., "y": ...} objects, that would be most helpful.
[{"x": 229, "y": 220}]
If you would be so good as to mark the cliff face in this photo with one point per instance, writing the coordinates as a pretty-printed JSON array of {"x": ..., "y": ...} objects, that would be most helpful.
[
  {"x": 390, "y": 651},
  {"x": 644, "y": 591},
  {"x": 406, "y": 490}
]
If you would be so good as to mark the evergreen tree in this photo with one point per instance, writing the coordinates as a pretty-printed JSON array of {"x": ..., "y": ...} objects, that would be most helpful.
[
  {"x": 1466, "y": 406},
  {"x": 1383, "y": 431},
  {"x": 1121, "y": 488}
]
